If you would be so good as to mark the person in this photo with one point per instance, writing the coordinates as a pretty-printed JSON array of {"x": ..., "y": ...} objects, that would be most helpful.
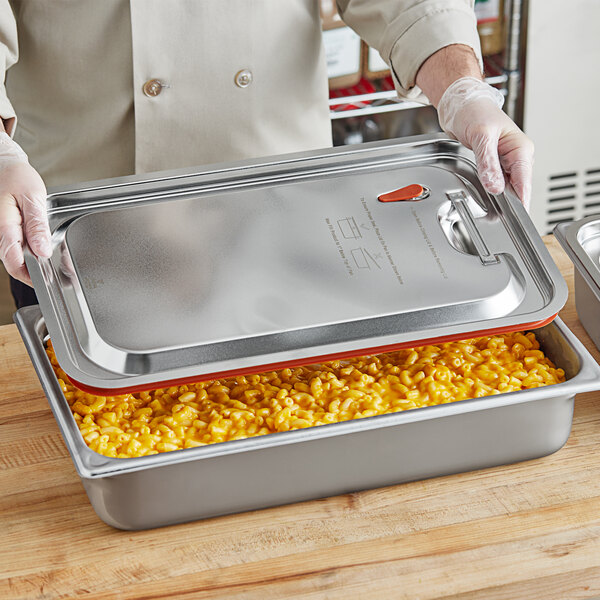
[{"x": 104, "y": 89}]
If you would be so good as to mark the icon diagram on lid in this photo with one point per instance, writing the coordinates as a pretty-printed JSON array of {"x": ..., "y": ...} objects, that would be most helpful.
[
  {"x": 409, "y": 193},
  {"x": 364, "y": 259},
  {"x": 349, "y": 228}
]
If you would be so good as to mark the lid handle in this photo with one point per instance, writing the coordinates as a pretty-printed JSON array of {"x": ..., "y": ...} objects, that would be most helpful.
[{"x": 459, "y": 201}]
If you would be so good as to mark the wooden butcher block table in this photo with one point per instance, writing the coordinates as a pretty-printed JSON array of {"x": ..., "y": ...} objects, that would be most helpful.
[{"x": 523, "y": 531}]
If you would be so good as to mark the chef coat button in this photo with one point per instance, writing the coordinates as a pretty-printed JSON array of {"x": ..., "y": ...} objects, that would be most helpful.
[
  {"x": 243, "y": 78},
  {"x": 153, "y": 87}
]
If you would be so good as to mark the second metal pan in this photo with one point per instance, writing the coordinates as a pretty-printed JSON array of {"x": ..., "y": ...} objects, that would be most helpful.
[{"x": 581, "y": 241}]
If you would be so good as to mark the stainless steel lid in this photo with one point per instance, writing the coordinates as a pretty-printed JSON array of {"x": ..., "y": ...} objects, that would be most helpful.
[
  {"x": 237, "y": 268},
  {"x": 581, "y": 241}
]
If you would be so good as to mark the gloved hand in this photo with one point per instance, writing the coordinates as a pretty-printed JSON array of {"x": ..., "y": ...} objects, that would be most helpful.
[
  {"x": 470, "y": 111},
  {"x": 22, "y": 210}
]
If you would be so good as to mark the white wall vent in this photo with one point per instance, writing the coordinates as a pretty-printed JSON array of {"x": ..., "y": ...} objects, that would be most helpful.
[
  {"x": 561, "y": 118},
  {"x": 570, "y": 196}
]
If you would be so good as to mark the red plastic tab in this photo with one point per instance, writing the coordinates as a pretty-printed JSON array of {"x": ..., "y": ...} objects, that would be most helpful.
[{"x": 410, "y": 192}]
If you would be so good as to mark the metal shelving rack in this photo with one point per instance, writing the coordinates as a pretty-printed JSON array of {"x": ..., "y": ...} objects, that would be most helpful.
[{"x": 505, "y": 72}]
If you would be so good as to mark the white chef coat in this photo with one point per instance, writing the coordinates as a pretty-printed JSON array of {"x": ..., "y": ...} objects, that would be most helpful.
[{"x": 104, "y": 88}]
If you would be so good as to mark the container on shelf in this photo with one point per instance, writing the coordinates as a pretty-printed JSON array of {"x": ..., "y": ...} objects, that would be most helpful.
[
  {"x": 490, "y": 25},
  {"x": 342, "y": 48}
]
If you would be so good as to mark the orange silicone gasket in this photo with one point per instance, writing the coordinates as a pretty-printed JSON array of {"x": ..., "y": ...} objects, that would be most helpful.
[{"x": 305, "y": 361}]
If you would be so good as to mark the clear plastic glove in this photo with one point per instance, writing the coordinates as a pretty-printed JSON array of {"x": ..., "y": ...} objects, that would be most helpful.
[
  {"x": 22, "y": 210},
  {"x": 470, "y": 110}
]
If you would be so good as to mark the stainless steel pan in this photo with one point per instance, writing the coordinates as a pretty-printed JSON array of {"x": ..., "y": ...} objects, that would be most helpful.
[{"x": 253, "y": 473}]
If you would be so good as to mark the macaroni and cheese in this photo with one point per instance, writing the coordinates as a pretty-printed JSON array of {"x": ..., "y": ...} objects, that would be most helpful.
[{"x": 203, "y": 413}]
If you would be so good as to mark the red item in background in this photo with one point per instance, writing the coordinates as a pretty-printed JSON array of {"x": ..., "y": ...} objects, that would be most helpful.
[
  {"x": 387, "y": 84},
  {"x": 364, "y": 86}
]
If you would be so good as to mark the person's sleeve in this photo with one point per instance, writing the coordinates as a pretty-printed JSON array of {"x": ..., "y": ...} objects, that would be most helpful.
[
  {"x": 8, "y": 57},
  {"x": 407, "y": 32}
]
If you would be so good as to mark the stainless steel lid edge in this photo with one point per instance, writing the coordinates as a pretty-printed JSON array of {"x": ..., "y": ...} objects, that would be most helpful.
[
  {"x": 522, "y": 227},
  {"x": 58, "y": 322},
  {"x": 107, "y": 189},
  {"x": 90, "y": 464}
]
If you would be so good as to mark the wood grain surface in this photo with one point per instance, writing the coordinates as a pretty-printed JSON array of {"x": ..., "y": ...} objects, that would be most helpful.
[
  {"x": 7, "y": 304},
  {"x": 525, "y": 531}
]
